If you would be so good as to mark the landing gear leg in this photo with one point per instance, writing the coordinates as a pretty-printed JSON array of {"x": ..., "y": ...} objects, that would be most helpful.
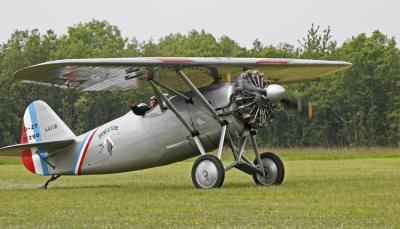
[
  {"x": 53, "y": 178},
  {"x": 267, "y": 168},
  {"x": 271, "y": 166},
  {"x": 207, "y": 170}
]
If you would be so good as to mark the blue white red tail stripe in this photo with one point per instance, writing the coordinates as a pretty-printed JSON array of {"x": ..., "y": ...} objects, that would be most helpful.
[
  {"x": 27, "y": 154},
  {"x": 34, "y": 123},
  {"x": 34, "y": 135},
  {"x": 81, "y": 153}
]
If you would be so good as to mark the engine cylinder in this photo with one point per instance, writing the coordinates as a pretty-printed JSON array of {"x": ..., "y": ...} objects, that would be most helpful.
[{"x": 254, "y": 98}]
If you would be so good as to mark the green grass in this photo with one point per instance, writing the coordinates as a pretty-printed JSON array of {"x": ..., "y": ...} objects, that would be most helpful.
[{"x": 336, "y": 188}]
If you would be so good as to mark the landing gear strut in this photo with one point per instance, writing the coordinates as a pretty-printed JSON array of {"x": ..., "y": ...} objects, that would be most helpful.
[
  {"x": 52, "y": 178},
  {"x": 208, "y": 171},
  {"x": 267, "y": 168}
]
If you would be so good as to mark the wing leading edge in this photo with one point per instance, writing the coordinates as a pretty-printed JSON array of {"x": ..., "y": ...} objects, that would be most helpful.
[{"x": 108, "y": 74}]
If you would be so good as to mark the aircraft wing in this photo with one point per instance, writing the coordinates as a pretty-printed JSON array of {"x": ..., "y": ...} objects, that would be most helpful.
[
  {"x": 108, "y": 74},
  {"x": 17, "y": 150}
]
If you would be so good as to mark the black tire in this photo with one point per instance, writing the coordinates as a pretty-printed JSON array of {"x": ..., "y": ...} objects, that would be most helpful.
[
  {"x": 271, "y": 159},
  {"x": 210, "y": 172}
]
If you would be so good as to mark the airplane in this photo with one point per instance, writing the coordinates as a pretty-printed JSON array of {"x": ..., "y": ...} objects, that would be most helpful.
[{"x": 204, "y": 104}]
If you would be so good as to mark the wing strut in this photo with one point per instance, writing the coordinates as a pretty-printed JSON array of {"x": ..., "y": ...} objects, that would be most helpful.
[
  {"x": 171, "y": 106},
  {"x": 241, "y": 161},
  {"x": 195, "y": 133},
  {"x": 201, "y": 96},
  {"x": 207, "y": 104},
  {"x": 247, "y": 165},
  {"x": 187, "y": 99}
]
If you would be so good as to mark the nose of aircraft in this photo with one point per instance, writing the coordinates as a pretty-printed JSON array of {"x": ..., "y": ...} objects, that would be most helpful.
[{"x": 275, "y": 92}]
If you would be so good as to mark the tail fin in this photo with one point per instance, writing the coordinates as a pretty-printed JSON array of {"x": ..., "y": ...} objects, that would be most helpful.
[{"x": 41, "y": 124}]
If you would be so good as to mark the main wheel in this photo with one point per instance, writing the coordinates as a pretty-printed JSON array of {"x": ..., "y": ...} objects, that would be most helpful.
[
  {"x": 208, "y": 172},
  {"x": 274, "y": 170}
]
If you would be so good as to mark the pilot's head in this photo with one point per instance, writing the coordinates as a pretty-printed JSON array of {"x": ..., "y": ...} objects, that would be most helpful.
[{"x": 153, "y": 101}]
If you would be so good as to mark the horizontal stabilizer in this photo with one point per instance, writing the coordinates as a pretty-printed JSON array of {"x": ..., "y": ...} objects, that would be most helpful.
[{"x": 50, "y": 146}]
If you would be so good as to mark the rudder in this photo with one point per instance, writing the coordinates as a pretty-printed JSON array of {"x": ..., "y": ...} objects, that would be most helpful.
[{"x": 40, "y": 124}]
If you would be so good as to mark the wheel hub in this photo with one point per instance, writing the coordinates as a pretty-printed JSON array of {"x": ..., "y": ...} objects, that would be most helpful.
[
  {"x": 206, "y": 174},
  {"x": 271, "y": 172}
]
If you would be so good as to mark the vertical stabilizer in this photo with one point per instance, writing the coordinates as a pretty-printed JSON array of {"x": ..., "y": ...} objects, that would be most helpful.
[{"x": 41, "y": 124}]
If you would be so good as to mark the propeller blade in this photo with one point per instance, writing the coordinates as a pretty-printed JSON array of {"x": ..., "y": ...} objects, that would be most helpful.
[
  {"x": 309, "y": 111},
  {"x": 294, "y": 103}
]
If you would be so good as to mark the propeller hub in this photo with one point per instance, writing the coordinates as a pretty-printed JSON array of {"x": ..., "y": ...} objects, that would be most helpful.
[
  {"x": 257, "y": 99},
  {"x": 275, "y": 92}
]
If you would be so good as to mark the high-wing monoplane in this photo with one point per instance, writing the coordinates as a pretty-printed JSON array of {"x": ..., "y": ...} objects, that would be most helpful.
[{"x": 204, "y": 104}]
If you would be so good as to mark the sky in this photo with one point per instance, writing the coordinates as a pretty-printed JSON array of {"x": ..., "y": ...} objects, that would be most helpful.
[{"x": 269, "y": 21}]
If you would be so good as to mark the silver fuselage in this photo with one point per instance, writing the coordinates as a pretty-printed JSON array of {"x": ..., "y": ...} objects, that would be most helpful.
[{"x": 134, "y": 142}]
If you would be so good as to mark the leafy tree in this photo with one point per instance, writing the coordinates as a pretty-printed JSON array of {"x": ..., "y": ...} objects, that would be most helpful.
[
  {"x": 229, "y": 47},
  {"x": 358, "y": 107},
  {"x": 91, "y": 40},
  {"x": 317, "y": 45}
]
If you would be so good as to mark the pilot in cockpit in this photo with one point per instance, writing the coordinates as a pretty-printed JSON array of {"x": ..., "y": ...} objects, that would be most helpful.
[{"x": 142, "y": 108}]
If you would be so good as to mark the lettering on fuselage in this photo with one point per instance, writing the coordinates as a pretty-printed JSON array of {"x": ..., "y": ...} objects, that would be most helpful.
[
  {"x": 50, "y": 127},
  {"x": 107, "y": 130}
]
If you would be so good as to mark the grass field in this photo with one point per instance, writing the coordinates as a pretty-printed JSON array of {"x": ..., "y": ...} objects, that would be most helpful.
[{"x": 347, "y": 188}]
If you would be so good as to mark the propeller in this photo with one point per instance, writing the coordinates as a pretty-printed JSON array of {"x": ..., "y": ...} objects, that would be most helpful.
[
  {"x": 297, "y": 104},
  {"x": 257, "y": 99}
]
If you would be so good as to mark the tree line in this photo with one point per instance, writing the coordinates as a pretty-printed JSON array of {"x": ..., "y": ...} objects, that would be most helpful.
[{"x": 358, "y": 107}]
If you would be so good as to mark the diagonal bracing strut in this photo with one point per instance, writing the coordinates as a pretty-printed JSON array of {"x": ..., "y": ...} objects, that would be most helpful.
[
  {"x": 195, "y": 134},
  {"x": 207, "y": 104}
]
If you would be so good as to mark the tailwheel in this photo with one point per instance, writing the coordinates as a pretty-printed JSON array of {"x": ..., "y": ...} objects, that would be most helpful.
[
  {"x": 208, "y": 172},
  {"x": 274, "y": 170}
]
